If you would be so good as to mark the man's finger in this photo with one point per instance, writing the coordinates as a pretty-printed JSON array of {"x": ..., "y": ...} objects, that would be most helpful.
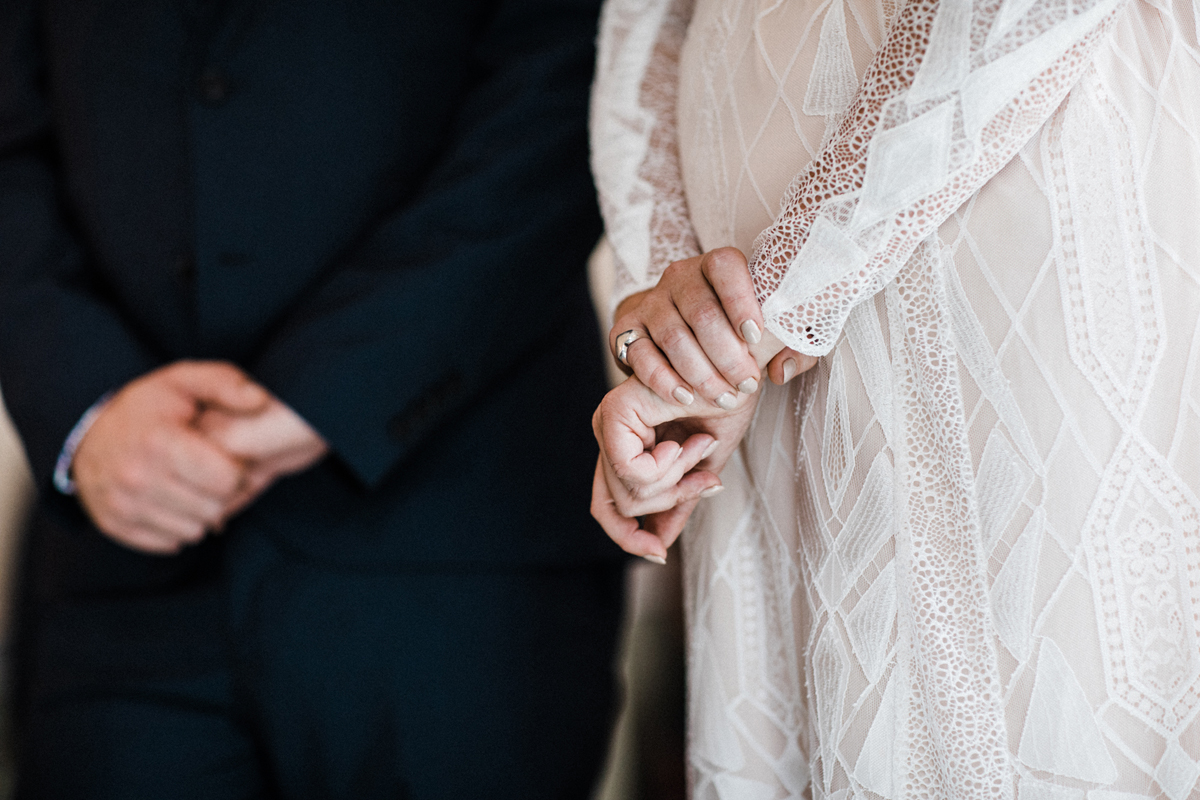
[
  {"x": 218, "y": 384},
  {"x": 147, "y": 541},
  {"x": 181, "y": 500},
  {"x": 205, "y": 467}
]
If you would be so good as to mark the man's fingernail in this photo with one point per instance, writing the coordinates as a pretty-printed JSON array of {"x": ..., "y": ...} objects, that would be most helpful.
[
  {"x": 748, "y": 386},
  {"x": 789, "y": 369},
  {"x": 712, "y": 448},
  {"x": 727, "y": 401},
  {"x": 750, "y": 332},
  {"x": 712, "y": 490},
  {"x": 683, "y": 395},
  {"x": 662, "y": 562}
]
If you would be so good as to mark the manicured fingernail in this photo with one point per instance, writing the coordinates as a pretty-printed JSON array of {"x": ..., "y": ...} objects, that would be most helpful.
[
  {"x": 662, "y": 562},
  {"x": 789, "y": 369},
  {"x": 683, "y": 395},
  {"x": 727, "y": 401},
  {"x": 712, "y": 448},
  {"x": 750, "y": 332},
  {"x": 748, "y": 386},
  {"x": 712, "y": 490}
]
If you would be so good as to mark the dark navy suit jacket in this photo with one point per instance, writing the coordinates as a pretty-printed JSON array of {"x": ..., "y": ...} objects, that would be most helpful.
[{"x": 380, "y": 209}]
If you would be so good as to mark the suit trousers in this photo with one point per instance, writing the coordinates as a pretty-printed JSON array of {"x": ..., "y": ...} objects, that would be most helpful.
[{"x": 265, "y": 674}]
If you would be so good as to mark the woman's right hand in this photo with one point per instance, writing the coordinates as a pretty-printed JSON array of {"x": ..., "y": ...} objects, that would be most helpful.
[
  {"x": 699, "y": 332},
  {"x": 657, "y": 460}
]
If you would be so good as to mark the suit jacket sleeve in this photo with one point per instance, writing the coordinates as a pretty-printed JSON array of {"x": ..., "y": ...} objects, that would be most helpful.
[
  {"x": 494, "y": 244},
  {"x": 63, "y": 341}
]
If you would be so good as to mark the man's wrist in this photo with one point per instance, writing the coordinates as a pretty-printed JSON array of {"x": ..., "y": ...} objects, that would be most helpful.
[{"x": 63, "y": 480}]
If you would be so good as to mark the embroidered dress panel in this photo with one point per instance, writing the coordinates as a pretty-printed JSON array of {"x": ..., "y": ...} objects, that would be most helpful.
[{"x": 961, "y": 558}]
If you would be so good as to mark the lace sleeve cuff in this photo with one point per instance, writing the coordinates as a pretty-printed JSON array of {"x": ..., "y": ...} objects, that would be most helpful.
[{"x": 956, "y": 90}]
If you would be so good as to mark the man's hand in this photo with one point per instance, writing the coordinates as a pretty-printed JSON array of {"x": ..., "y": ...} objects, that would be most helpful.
[
  {"x": 272, "y": 442},
  {"x": 147, "y": 478}
]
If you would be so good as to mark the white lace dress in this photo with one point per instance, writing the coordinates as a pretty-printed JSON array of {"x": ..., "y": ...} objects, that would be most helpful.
[{"x": 961, "y": 559}]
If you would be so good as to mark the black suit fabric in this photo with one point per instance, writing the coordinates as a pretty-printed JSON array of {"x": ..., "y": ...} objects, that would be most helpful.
[{"x": 381, "y": 211}]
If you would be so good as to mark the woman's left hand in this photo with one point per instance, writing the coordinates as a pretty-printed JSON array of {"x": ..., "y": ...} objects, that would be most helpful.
[{"x": 704, "y": 329}]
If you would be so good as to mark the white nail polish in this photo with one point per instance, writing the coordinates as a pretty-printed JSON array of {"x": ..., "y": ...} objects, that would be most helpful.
[
  {"x": 789, "y": 369},
  {"x": 748, "y": 386},
  {"x": 712, "y": 490},
  {"x": 662, "y": 562},
  {"x": 683, "y": 395},
  {"x": 750, "y": 332},
  {"x": 727, "y": 401},
  {"x": 712, "y": 448}
]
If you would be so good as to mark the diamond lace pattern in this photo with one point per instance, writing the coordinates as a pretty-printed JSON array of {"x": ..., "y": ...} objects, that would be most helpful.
[{"x": 961, "y": 558}]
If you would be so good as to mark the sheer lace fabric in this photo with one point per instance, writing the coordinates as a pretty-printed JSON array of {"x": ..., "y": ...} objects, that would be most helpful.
[
  {"x": 635, "y": 151},
  {"x": 961, "y": 558}
]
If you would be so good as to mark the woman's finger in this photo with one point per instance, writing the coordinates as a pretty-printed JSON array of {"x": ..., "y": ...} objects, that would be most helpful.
[
  {"x": 676, "y": 483},
  {"x": 667, "y": 525},
  {"x": 729, "y": 275},
  {"x": 625, "y": 425},
  {"x": 701, "y": 309},
  {"x": 672, "y": 337},
  {"x": 181, "y": 500},
  {"x": 623, "y": 530},
  {"x": 677, "y": 342},
  {"x": 652, "y": 368},
  {"x": 787, "y": 364}
]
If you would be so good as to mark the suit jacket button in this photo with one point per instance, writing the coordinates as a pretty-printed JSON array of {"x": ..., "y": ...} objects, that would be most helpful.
[{"x": 213, "y": 87}]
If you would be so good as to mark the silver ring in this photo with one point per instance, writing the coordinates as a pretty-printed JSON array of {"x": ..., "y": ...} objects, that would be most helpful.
[{"x": 623, "y": 341}]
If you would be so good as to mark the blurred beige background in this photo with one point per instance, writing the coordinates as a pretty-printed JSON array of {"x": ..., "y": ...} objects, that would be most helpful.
[{"x": 16, "y": 492}]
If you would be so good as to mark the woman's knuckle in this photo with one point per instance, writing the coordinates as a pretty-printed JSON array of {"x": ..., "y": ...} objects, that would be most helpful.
[
  {"x": 626, "y": 507},
  {"x": 708, "y": 314},
  {"x": 712, "y": 387},
  {"x": 724, "y": 258},
  {"x": 659, "y": 376},
  {"x": 674, "y": 337}
]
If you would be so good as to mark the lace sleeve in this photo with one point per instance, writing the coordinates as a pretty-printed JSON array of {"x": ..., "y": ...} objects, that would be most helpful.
[
  {"x": 956, "y": 89},
  {"x": 635, "y": 153}
]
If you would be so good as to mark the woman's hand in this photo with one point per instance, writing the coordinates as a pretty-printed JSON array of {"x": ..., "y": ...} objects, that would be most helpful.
[
  {"x": 699, "y": 332},
  {"x": 657, "y": 460}
]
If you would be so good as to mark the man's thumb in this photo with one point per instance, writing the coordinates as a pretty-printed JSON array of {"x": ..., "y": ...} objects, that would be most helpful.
[{"x": 220, "y": 385}]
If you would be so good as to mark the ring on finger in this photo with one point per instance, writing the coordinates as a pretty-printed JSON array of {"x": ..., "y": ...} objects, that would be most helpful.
[{"x": 623, "y": 341}]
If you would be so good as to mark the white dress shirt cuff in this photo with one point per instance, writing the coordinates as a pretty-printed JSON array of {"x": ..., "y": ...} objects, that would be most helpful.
[{"x": 62, "y": 468}]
